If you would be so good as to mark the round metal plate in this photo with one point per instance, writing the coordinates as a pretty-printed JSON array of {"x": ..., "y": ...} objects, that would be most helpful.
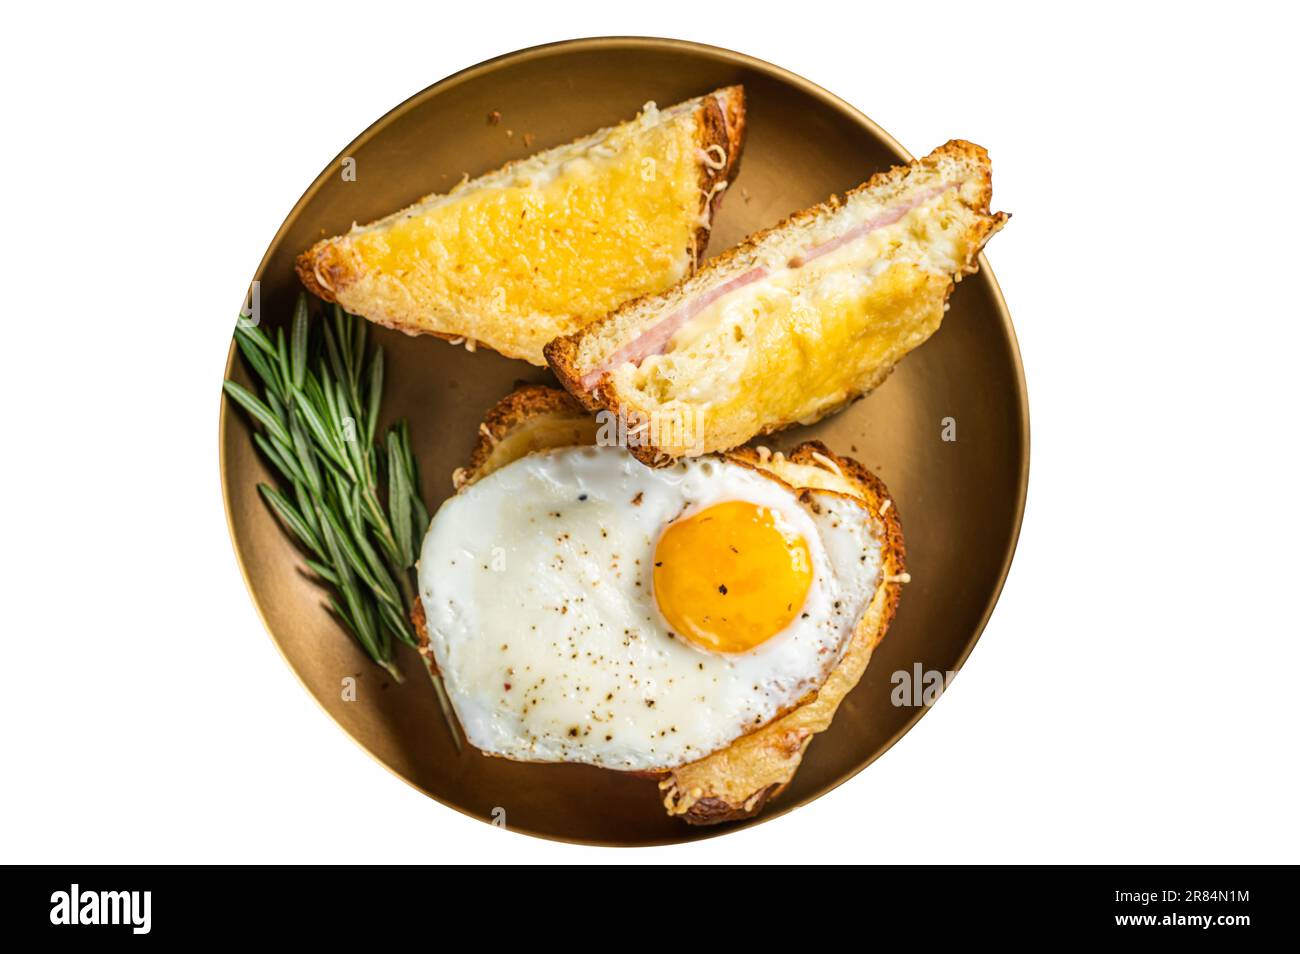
[{"x": 961, "y": 501}]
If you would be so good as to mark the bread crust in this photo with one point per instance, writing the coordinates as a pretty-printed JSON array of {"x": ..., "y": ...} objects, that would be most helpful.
[
  {"x": 330, "y": 267},
  {"x": 737, "y": 781},
  {"x": 722, "y": 124},
  {"x": 522, "y": 407},
  {"x": 562, "y": 354}
]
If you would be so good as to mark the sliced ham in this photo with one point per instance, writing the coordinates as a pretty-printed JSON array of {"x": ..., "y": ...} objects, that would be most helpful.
[
  {"x": 886, "y": 218},
  {"x": 655, "y": 338}
]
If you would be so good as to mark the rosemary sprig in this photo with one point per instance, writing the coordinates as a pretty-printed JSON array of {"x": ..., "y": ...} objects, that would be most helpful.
[{"x": 349, "y": 496}]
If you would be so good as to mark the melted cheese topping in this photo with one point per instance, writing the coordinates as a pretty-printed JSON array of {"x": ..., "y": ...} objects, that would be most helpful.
[
  {"x": 569, "y": 242},
  {"x": 834, "y": 322}
]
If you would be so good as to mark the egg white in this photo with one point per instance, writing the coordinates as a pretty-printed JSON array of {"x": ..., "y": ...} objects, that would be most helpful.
[{"x": 537, "y": 592}]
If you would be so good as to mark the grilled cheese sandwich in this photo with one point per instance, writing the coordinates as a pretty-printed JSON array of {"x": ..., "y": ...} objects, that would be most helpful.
[
  {"x": 794, "y": 322},
  {"x": 543, "y": 246}
]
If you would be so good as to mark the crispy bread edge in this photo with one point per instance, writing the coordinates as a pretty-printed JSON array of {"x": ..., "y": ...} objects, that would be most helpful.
[
  {"x": 722, "y": 123},
  {"x": 697, "y": 792}
]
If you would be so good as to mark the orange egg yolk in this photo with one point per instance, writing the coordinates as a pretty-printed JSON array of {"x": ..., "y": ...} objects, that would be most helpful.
[{"x": 731, "y": 576}]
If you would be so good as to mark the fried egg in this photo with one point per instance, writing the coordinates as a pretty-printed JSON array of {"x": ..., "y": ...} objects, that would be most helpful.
[{"x": 583, "y": 607}]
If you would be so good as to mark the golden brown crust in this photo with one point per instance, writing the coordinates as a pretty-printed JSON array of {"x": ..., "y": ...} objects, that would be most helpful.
[
  {"x": 722, "y": 124},
  {"x": 562, "y": 357},
  {"x": 523, "y": 406},
  {"x": 562, "y": 353},
  {"x": 323, "y": 257},
  {"x": 329, "y": 266},
  {"x": 739, "y": 780},
  {"x": 422, "y": 633},
  {"x": 421, "y": 626}
]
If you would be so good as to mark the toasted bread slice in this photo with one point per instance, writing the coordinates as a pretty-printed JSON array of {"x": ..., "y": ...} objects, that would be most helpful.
[
  {"x": 545, "y": 245},
  {"x": 737, "y": 781},
  {"x": 795, "y": 321}
]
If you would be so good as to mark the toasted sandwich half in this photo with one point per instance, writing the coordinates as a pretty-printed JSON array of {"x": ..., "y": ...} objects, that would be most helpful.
[
  {"x": 795, "y": 321},
  {"x": 737, "y": 781},
  {"x": 543, "y": 246}
]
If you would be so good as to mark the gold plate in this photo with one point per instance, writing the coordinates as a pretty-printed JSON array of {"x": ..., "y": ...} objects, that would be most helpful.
[{"x": 961, "y": 502}]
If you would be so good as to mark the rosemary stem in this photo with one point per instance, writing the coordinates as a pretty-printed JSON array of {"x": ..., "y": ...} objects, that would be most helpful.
[{"x": 357, "y": 519}]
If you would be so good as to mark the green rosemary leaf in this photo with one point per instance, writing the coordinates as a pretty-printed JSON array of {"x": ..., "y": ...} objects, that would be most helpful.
[
  {"x": 331, "y": 414},
  {"x": 356, "y": 614},
  {"x": 377, "y": 520},
  {"x": 375, "y": 633},
  {"x": 340, "y": 489},
  {"x": 275, "y": 452},
  {"x": 350, "y": 498},
  {"x": 419, "y": 512},
  {"x": 342, "y": 331},
  {"x": 298, "y": 351},
  {"x": 374, "y": 393},
  {"x": 347, "y": 504},
  {"x": 257, "y": 360},
  {"x": 278, "y": 406},
  {"x": 346, "y": 412},
  {"x": 351, "y": 613},
  {"x": 311, "y": 387},
  {"x": 321, "y": 434},
  {"x": 348, "y": 373},
  {"x": 351, "y": 442},
  {"x": 324, "y": 572},
  {"x": 330, "y": 474},
  {"x": 359, "y": 333},
  {"x": 420, "y": 521},
  {"x": 342, "y": 612},
  {"x": 398, "y": 624},
  {"x": 385, "y": 588},
  {"x": 404, "y": 435},
  {"x": 357, "y": 509},
  {"x": 264, "y": 415},
  {"x": 333, "y": 354},
  {"x": 282, "y": 353},
  {"x": 386, "y": 662},
  {"x": 306, "y": 506},
  {"x": 255, "y": 338},
  {"x": 289, "y": 515},
  {"x": 399, "y": 500},
  {"x": 304, "y": 455},
  {"x": 356, "y": 563}
]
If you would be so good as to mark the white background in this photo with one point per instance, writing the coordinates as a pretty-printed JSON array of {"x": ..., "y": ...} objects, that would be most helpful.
[{"x": 1132, "y": 698}]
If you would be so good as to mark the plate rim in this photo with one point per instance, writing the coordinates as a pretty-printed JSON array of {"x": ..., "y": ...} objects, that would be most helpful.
[{"x": 226, "y": 417}]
